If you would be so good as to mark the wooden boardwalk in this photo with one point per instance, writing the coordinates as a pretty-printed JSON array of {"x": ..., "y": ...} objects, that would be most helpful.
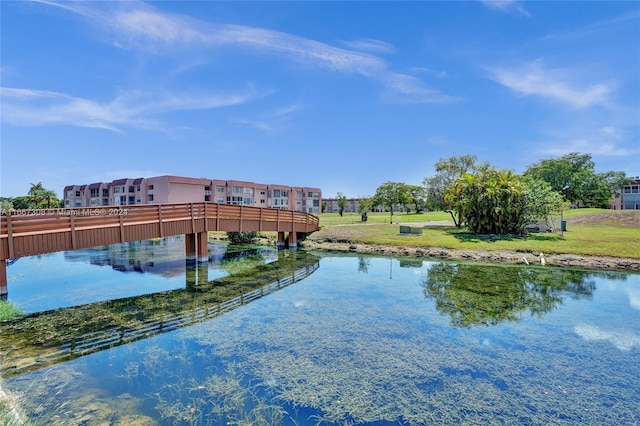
[{"x": 33, "y": 232}]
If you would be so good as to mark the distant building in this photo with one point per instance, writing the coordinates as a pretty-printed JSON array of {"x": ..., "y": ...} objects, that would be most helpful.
[
  {"x": 179, "y": 189},
  {"x": 353, "y": 205},
  {"x": 629, "y": 198}
]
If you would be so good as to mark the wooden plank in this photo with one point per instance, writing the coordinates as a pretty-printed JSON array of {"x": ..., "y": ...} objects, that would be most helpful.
[{"x": 10, "y": 236}]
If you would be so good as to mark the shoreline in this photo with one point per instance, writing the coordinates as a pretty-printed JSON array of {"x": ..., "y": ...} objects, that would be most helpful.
[{"x": 567, "y": 260}]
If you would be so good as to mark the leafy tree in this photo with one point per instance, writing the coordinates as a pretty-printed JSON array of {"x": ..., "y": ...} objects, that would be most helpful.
[
  {"x": 540, "y": 200},
  {"x": 490, "y": 202},
  {"x": 6, "y": 203},
  {"x": 21, "y": 202},
  {"x": 341, "y": 199},
  {"x": 447, "y": 171},
  {"x": 416, "y": 197},
  {"x": 390, "y": 194},
  {"x": 573, "y": 175},
  {"x": 365, "y": 204},
  {"x": 324, "y": 206}
]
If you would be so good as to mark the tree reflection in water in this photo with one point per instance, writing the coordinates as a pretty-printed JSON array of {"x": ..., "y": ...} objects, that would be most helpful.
[{"x": 480, "y": 294}]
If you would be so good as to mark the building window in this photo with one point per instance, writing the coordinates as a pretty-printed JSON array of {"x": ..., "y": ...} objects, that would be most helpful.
[
  {"x": 276, "y": 193},
  {"x": 131, "y": 188},
  {"x": 237, "y": 190},
  {"x": 248, "y": 201},
  {"x": 220, "y": 189},
  {"x": 105, "y": 192},
  {"x": 66, "y": 203},
  {"x": 118, "y": 189},
  {"x": 77, "y": 193},
  {"x": 138, "y": 188}
]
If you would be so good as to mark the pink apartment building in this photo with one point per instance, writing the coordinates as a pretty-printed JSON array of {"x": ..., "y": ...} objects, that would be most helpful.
[{"x": 178, "y": 189}]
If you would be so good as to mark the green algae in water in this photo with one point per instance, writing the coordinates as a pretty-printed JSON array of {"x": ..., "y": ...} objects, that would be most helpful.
[{"x": 371, "y": 342}]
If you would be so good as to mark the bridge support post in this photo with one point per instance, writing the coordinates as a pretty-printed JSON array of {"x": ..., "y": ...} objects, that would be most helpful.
[
  {"x": 196, "y": 247},
  {"x": 281, "y": 244},
  {"x": 292, "y": 240},
  {"x": 3, "y": 279},
  {"x": 202, "y": 249},
  {"x": 190, "y": 248}
]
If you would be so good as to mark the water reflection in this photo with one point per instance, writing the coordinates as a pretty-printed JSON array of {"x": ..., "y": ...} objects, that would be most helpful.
[
  {"x": 55, "y": 336},
  {"x": 165, "y": 256},
  {"x": 346, "y": 345},
  {"x": 473, "y": 294}
]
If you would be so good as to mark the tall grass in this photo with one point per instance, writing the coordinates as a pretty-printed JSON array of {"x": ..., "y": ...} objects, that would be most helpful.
[{"x": 9, "y": 310}]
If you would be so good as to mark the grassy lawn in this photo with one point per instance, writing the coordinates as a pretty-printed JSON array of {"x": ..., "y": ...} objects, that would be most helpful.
[{"x": 589, "y": 232}]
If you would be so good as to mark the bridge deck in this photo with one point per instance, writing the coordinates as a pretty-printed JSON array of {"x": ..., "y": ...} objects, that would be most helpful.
[{"x": 33, "y": 232}]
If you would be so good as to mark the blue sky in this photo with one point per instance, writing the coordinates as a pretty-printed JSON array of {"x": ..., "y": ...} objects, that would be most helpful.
[{"x": 338, "y": 95}]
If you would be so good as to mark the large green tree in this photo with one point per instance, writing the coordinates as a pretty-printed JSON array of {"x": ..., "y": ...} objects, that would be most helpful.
[
  {"x": 391, "y": 194},
  {"x": 447, "y": 171},
  {"x": 573, "y": 175},
  {"x": 342, "y": 201},
  {"x": 489, "y": 202}
]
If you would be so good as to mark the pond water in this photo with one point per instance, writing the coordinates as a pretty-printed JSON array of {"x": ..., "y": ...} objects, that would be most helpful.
[{"x": 309, "y": 338}]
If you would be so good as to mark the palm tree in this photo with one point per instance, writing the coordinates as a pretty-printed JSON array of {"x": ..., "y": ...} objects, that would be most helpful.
[{"x": 38, "y": 193}]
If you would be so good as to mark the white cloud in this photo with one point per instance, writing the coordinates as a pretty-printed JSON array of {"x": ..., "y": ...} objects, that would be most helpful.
[
  {"x": 606, "y": 141},
  {"x": 634, "y": 298},
  {"x": 624, "y": 341},
  {"x": 140, "y": 26},
  {"x": 559, "y": 85},
  {"x": 29, "y": 107},
  {"x": 370, "y": 45},
  {"x": 513, "y": 6}
]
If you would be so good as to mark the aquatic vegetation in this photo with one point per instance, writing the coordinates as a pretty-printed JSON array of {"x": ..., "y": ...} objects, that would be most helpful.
[
  {"x": 351, "y": 345},
  {"x": 9, "y": 310}
]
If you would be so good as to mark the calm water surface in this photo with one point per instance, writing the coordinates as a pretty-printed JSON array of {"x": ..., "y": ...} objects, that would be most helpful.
[{"x": 308, "y": 340}]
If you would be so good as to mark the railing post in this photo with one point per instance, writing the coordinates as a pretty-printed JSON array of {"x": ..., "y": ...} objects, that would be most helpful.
[
  {"x": 217, "y": 216},
  {"x": 72, "y": 225},
  {"x": 241, "y": 210},
  {"x": 193, "y": 226},
  {"x": 10, "y": 236},
  {"x": 121, "y": 228},
  {"x": 260, "y": 226},
  {"x": 206, "y": 217},
  {"x": 161, "y": 225}
]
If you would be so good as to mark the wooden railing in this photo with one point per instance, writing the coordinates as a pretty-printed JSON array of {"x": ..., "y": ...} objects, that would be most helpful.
[{"x": 32, "y": 232}]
